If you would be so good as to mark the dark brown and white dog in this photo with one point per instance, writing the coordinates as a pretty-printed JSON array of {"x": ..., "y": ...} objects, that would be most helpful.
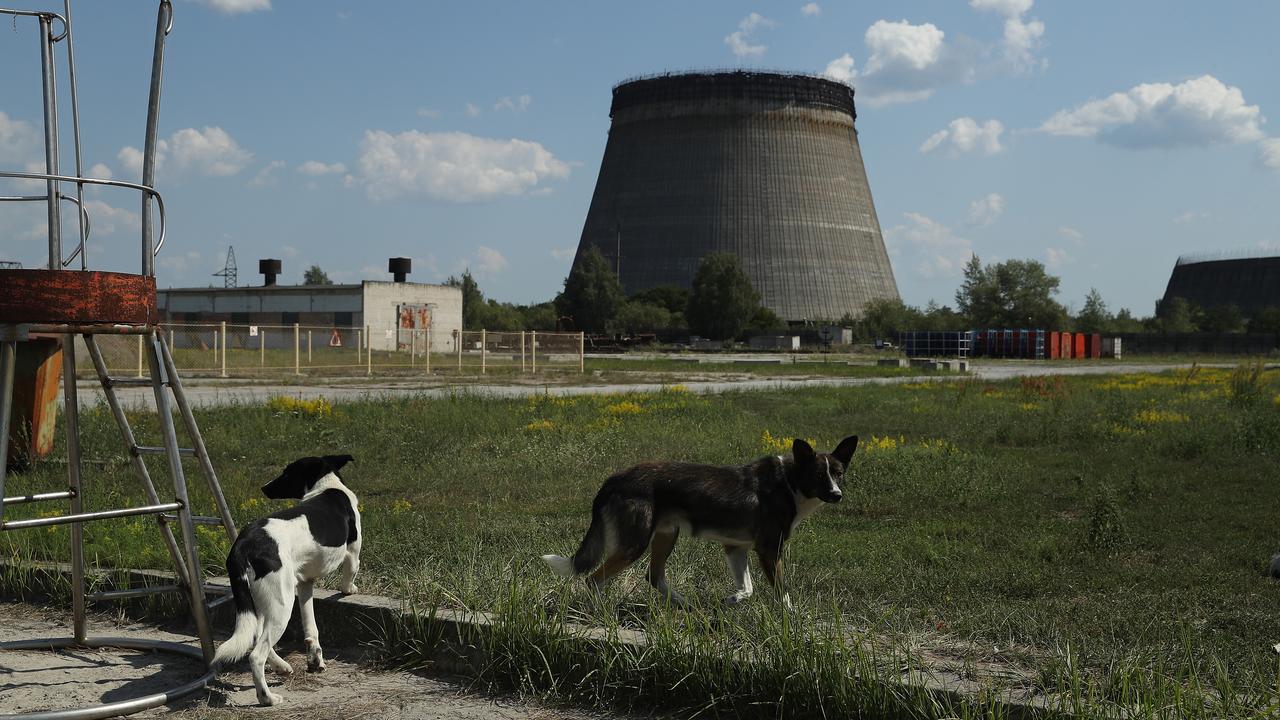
[
  {"x": 282, "y": 555},
  {"x": 755, "y": 507}
]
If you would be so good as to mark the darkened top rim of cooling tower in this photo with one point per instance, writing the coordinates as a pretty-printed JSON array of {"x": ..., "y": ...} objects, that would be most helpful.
[
  {"x": 1216, "y": 256},
  {"x": 765, "y": 87}
]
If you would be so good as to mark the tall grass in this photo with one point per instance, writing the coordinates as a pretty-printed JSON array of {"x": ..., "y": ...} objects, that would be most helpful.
[{"x": 1106, "y": 537}]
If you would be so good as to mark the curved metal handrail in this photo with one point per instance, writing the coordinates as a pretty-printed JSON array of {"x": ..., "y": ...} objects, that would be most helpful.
[
  {"x": 96, "y": 181},
  {"x": 40, "y": 13},
  {"x": 84, "y": 215}
]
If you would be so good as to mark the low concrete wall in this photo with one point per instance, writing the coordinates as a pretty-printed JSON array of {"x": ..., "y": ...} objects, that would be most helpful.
[{"x": 350, "y": 621}]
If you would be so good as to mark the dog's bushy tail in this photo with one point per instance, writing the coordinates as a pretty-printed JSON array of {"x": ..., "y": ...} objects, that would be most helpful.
[
  {"x": 590, "y": 551},
  {"x": 246, "y": 633}
]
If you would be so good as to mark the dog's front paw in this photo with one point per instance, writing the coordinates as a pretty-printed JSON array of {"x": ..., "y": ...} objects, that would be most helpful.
[
  {"x": 350, "y": 589},
  {"x": 736, "y": 598},
  {"x": 269, "y": 698},
  {"x": 315, "y": 661}
]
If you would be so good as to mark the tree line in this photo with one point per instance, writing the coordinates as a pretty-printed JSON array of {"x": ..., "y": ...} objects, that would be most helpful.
[
  {"x": 721, "y": 305},
  {"x": 1022, "y": 294}
]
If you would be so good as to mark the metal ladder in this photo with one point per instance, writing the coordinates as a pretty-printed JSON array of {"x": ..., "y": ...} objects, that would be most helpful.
[{"x": 163, "y": 380}]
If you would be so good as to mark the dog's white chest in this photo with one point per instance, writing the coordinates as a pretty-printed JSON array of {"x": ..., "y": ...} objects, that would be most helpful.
[{"x": 805, "y": 506}]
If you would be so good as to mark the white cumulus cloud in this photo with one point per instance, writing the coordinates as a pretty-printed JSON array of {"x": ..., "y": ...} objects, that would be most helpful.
[
  {"x": 315, "y": 168},
  {"x": 929, "y": 247},
  {"x": 452, "y": 166},
  {"x": 841, "y": 69},
  {"x": 1270, "y": 153},
  {"x": 236, "y": 7},
  {"x": 489, "y": 262},
  {"x": 1022, "y": 38},
  {"x": 19, "y": 141},
  {"x": 740, "y": 40},
  {"x": 964, "y": 135},
  {"x": 211, "y": 151},
  {"x": 1055, "y": 258},
  {"x": 266, "y": 176},
  {"x": 472, "y": 110},
  {"x": 986, "y": 210},
  {"x": 906, "y": 63},
  {"x": 1197, "y": 112},
  {"x": 564, "y": 253},
  {"x": 1072, "y": 234},
  {"x": 519, "y": 104},
  {"x": 811, "y": 9}
]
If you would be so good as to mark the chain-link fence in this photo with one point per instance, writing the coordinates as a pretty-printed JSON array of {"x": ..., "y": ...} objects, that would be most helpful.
[{"x": 225, "y": 350}]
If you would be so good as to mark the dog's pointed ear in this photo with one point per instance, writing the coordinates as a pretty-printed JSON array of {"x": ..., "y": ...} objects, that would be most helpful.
[
  {"x": 802, "y": 451},
  {"x": 844, "y": 451},
  {"x": 336, "y": 462}
]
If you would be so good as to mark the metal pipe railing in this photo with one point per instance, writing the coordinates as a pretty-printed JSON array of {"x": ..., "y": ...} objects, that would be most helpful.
[
  {"x": 151, "y": 243},
  {"x": 150, "y": 191},
  {"x": 164, "y": 23},
  {"x": 50, "y": 94},
  {"x": 81, "y": 250}
]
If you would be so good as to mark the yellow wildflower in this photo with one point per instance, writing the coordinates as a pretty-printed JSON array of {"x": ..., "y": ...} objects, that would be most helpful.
[
  {"x": 626, "y": 407},
  {"x": 540, "y": 425},
  {"x": 297, "y": 406}
]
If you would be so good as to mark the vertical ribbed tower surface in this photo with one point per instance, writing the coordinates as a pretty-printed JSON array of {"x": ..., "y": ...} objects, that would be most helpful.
[{"x": 763, "y": 165}]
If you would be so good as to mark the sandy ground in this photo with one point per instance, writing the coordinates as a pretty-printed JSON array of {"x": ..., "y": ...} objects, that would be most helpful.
[{"x": 43, "y": 680}]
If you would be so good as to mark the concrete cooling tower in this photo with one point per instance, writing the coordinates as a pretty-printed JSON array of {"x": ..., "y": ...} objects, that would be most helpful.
[
  {"x": 763, "y": 165},
  {"x": 1249, "y": 280}
]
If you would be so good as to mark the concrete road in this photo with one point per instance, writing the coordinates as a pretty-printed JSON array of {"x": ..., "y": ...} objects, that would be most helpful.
[{"x": 209, "y": 393}]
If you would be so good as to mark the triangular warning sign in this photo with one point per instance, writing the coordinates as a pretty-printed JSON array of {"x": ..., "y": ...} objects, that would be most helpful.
[{"x": 335, "y": 340}]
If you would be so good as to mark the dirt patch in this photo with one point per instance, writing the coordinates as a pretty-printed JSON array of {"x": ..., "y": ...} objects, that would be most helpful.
[{"x": 349, "y": 688}]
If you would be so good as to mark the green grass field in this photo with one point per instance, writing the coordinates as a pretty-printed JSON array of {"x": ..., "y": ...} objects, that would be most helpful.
[{"x": 1105, "y": 537}]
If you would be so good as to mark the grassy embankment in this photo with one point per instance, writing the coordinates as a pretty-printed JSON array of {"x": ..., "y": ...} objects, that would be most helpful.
[{"x": 1102, "y": 540}]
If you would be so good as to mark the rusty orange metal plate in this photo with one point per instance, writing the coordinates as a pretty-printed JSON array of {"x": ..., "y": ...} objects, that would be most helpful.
[
  {"x": 76, "y": 296},
  {"x": 35, "y": 400}
]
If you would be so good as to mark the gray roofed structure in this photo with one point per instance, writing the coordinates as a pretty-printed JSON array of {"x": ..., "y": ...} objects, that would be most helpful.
[
  {"x": 763, "y": 165},
  {"x": 1249, "y": 280}
]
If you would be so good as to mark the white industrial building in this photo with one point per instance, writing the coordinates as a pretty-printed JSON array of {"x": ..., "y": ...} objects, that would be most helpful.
[{"x": 389, "y": 310}]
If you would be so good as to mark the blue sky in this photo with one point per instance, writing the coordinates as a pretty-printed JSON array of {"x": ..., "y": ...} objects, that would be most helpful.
[{"x": 1101, "y": 138}]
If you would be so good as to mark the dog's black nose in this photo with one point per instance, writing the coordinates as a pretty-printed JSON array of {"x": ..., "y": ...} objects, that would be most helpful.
[{"x": 834, "y": 497}]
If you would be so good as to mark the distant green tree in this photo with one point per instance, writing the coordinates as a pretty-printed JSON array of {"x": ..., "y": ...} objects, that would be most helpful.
[
  {"x": 1223, "y": 319},
  {"x": 939, "y": 318},
  {"x": 1175, "y": 315},
  {"x": 315, "y": 276},
  {"x": 1266, "y": 320},
  {"x": 638, "y": 317},
  {"x": 1012, "y": 294},
  {"x": 1094, "y": 316},
  {"x": 539, "y": 317},
  {"x": 500, "y": 317},
  {"x": 592, "y": 294},
  {"x": 766, "y": 319},
  {"x": 723, "y": 301},
  {"x": 1125, "y": 322},
  {"x": 473, "y": 306},
  {"x": 672, "y": 297},
  {"x": 885, "y": 318}
]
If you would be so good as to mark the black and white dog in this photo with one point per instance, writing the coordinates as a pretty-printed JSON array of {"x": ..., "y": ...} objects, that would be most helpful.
[
  {"x": 283, "y": 554},
  {"x": 754, "y": 507}
]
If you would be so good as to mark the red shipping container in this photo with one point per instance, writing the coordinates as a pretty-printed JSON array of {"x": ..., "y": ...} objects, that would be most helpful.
[
  {"x": 1094, "y": 345},
  {"x": 1053, "y": 345},
  {"x": 1064, "y": 346},
  {"x": 1077, "y": 346}
]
